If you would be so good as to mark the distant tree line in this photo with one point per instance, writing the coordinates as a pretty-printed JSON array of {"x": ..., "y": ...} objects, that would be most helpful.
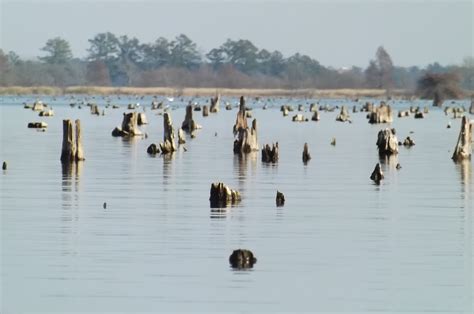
[{"x": 123, "y": 61}]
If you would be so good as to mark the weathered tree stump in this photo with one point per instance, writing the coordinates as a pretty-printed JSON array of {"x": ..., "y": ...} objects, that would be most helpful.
[
  {"x": 189, "y": 125},
  {"x": 242, "y": 259},
  {"x": 141, "y": 119},
  {"x": 215, "y": 104},
  {"x": 300, "y": 108},
  {"x": 403, "y": 113},
  {"x": 129, "y": 126},
  {"x": 315, "y": 116},
  {"x": 205, "y": 111},
  {"x": 270, "y": 154},
  {"x": 37, "y": 125},
  {"x": 156, "y": 105},
  {"x": 387, "y": 142},
  {"x": 46, "y": 113},
  {"x": 246, "y": 138},
  {"x": 377, "y": 174},
  {"x": 313, "y": 107},
  {"x": 223, "y": 196},
  {"x": 408, "y": 142},
  {"x": 333, "y": 141},
  {"x": 168, "y": 145},
  {"x": 419, "y": 115},
  {"x": 152, "y": 149},
  {"x": 181, "y": 138},
  {"x": 280, "y": 199},
  {"x": 354, "y": 109},
  {"x": 38, "y": 106},
  {"x": 95, "y": 109},
  {"x": 299, "y": 118},
  {"x": 196, "y": 107},
  {"x": 72, "y": 150},
  {"x": 306, "y": 155},
  {"x": 343, "y": 116},
  {"x": 381, "y": 114},
  {"x": 463, "y": 149},
  {"x": 228, "y": 106},
  {"x": 471, "y": 109},
  {"x": 368, "y": 107}
]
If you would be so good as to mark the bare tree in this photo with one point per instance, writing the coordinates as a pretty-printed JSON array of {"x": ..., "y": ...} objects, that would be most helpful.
[{"x": 439, "y": 87}]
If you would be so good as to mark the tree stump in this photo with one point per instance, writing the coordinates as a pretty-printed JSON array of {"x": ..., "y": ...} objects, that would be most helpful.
[
  {"x": 95, "y": 109},
  {"x": 270, "y": 154},
  {"x": 72, "y": 143},
  {"x": 189, "y": 125},
  {"x": 181, "y": 138},
  {"x": 408, "y": 142},
  {"x": 129, "y": 126},
  {"x": 377, "y": 174},
  {"x": 168, "y": 145},
  {"x": 463, "y": 149},
  {"x": 381, "y": 114},
  {"x": 215, "y": 104},
  {"x": 315, "y": 116},
  {"x": 242, "y": 259},
  {"x": 141, "y": 119},
  {"x": 4, "y": 165},
  {"x": 246, "y": 138},
  {"x": 153, "y": 149},
  {"x": 280, "y": 199},
  {"x": 306, "y": 155},
  {"x": 387, "y": 142},
  {"x": 205, "y": 111},
  {"x": 223, "y": 196},
  {"x": 343, "y": 116},
  {"x": 471, "y": 109}
]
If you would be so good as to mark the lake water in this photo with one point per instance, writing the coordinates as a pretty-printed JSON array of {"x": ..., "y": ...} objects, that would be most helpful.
[{"x": 341, "y": 243}]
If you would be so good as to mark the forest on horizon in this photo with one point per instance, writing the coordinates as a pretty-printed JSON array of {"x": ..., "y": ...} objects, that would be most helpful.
[{"x": 123, "y": 61}]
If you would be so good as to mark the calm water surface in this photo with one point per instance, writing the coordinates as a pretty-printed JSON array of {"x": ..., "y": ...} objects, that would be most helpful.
[{"x": 340, "y": 244}]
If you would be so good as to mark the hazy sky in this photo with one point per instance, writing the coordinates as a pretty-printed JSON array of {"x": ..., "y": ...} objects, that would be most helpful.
[{"x": 336, "y": 33}]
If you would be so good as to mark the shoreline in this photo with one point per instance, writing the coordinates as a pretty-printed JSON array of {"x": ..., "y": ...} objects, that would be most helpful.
[{"x": 203, "y": 91}]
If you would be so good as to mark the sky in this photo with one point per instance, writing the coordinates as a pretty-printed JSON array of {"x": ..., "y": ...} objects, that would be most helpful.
[{"x": 338, "y": 33}]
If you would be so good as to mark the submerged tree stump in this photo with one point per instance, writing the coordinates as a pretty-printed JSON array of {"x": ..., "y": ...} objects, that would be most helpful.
[
  {"x": 242, "y": 259},
  {"x": 387, "y": 142},
  {"x": 72, "y": 150},
  {"x": 189, "y": 125},
  {"x": 315, "y": 116},
  {"x": 168, "y": 145},
  {"x": 408, "y": 142},
  {"x": 223, "y": 196},
  {"x": 153, "y": 149},
  {"x": 270, "y": 154},
  {"x": 463, "y": 149},
  {"x": 95, "y": 109},
  {"x": 299, "y": 118},
  {"x": 129, "y": 126},
  {"x": 403, "y": 113},
  {"x": 381, "y": 114},
  {"x": 377, "y": 174},
  {"x": 343, "y": 116},
  {"x": 246, "y": 138},
  {"x": 4, "y": 165},
  {"x": 306, "y": 155},
  {"x": 205, "y": 111},
  {"x": 280, "y": 199},
  {"x": 215, "y": 104},
  {"x": 313, "y": 107}
]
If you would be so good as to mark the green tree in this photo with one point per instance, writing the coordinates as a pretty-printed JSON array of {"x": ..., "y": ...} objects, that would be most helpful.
[
  {"x": 242, "y": 54},
  {"x": 216, "y": 57},
  {"x": 58, "y": 51},
  {"x": 104, "y": 46},
  {"x": 156, "y": 55},
  {"x": 184, "y": 53}
]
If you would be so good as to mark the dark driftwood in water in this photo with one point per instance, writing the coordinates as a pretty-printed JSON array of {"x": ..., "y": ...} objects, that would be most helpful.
[
  {"x": 37, "y": 125},
  {"x": 72, "y": 150},
  {"x": 280, "y": 199},
  {"x": 343, "y": 116},
  {"x": 387, "y": 142},
  {"x": 129, "y": 126},
  {"x": 246, "y": 138},
  {"x": 315, "y": 116},
  {"x": 168, "y": 145},
  {"x": 205, "y": 111},
  {"x": 215, "y": 104},
  {"x": 141, "y": 119},
  {"x": 153, "y": 149},
  {"x": 181, "y": 138},
  {"x": 242, "y": 259},
  {"x": 463, "y": 149},
  {"x": 381, "y": 114},
  {"x": 222, "y": 196},
  {"x": 4, "y": 165},
  {"x": 189, "y": 125},
  {"x": 270, "y": 154},
  {"x": 377, "y": 174},
  {"x": 306, "y": 155}
]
